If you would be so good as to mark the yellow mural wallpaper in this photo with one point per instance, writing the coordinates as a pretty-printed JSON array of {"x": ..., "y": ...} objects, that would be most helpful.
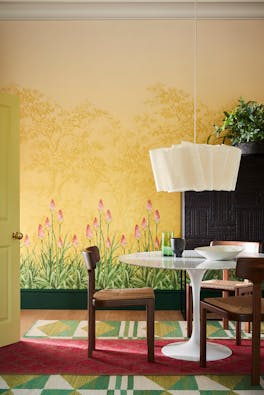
[{"x": 95, "y": 97}]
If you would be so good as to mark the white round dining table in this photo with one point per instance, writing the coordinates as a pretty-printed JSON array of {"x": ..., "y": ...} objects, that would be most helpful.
[{"x": 196, "y": 266}]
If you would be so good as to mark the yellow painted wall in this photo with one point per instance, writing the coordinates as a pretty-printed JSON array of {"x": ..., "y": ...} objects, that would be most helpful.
[{"x": 97, "y": 95}]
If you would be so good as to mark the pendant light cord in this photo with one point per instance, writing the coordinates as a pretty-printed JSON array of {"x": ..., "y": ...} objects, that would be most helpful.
[{"x": 195, "y": 74}]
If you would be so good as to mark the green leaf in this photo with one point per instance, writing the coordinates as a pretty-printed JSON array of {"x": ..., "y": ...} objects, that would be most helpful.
[{"x": 244, "y": 124}]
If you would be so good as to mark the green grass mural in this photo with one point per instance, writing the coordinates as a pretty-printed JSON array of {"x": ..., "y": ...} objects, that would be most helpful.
[{"x": 54, "y": 259}]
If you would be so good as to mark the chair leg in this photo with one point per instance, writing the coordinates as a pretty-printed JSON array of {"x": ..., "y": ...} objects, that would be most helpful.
[
  {"x": 225, "y": 320},
  {"x": 225, "y": 323},
  {"x": 203, "y": 320},
  {"x": 255, "y": 362},
  {"x": 150, "y": 307},
  {"x": 91, "y": 331},
  {"x": 238, "y": 333},
  {"x": 189, "y": 309},
  {"x": 247, "y": 327},
  {"x": 256, "y": 344}
]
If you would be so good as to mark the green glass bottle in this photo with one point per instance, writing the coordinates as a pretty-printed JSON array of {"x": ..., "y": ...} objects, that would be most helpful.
[{"x": 166, "y": 244}]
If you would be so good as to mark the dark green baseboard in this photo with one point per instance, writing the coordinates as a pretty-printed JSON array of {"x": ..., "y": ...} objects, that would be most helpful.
[
  {"x": 77, "y": 299},
  {"x": 65, "y": 299},
  {"x": 70, "y": 299}
]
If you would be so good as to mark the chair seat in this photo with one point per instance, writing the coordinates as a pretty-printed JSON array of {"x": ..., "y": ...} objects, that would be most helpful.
[
  {"x": 124, "y": 293},
  {"x": 224, "y": 285},
  {"x": 249, "y": 308},
  {"x": 117, "y": 298},
  {"x": 235, "y": 304}
]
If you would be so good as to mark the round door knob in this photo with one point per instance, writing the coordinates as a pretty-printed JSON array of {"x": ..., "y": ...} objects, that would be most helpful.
[{"x": 17, "y": 235}]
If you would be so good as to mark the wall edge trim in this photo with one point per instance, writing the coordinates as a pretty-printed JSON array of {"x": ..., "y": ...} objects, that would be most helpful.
[{"x": 104, "y": 10}]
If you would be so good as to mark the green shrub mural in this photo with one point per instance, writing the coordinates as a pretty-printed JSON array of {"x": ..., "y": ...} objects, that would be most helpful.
[{"x": 54, "y": 259}]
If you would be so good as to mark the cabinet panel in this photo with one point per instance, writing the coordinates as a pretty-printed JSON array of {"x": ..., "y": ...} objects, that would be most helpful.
[{"x": 237, "y": 215}]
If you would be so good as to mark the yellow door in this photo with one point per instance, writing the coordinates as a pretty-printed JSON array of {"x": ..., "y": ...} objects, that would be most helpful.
[{"x": 9, "y": 221}]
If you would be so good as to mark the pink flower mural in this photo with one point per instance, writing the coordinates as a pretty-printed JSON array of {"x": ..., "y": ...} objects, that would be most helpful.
[
  {"x": 26, "y": 240},
  {"x": 56, "y": 261},
  {"x": 157, "y": 244},
  {"x": 40, "y": 231},
  {"x": 149, "y": 205},
  {"x": 137, "y": 232},
  {"x": 123, "y": 241},
  {"x": 108, "y": 216},
  {"x": 101, "y": 205},
  {"x": 156, "y": 220},
  {"x": 52, "y": 205},
  {"x": 75, "y": 241},
  {"x": 88, "y": 232},
  {"x": 156, "y": 216},
  {"x": 144, "y": 223},
  {"x": 60, "y": 242},
  {"x": 47, "y": 222},
  {"x": 60, "y": 216},
  {"x": 95, "y": 224},
  {"x": 108, "y": 243}
]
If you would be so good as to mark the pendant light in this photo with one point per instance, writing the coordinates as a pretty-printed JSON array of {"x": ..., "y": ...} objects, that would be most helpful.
[{"x": 195, "y": 167}]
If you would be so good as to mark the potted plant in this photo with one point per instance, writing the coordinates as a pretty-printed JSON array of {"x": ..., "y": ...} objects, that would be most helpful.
[{"x": 243, "y": 127}]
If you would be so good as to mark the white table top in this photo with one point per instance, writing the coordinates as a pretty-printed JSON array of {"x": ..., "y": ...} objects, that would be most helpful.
[
  {"x": 190, "y": 260},
  {"x": 196, "y": 267}
]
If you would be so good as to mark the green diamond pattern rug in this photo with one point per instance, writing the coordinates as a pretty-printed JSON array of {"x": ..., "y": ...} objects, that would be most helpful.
[
  {"x": 72, "y": 329},
  {"x": 126, "y": 385}
]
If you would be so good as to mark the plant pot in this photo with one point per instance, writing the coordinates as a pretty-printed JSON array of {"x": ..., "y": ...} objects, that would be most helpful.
[{"x": 252, "y": 148}]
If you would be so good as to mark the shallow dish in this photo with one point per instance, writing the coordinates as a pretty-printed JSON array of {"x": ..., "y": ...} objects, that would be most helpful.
[{"x": 219, "y": 253}]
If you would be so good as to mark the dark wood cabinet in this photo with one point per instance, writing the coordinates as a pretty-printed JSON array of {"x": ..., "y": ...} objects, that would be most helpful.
[{"x": 236, "y": 215}]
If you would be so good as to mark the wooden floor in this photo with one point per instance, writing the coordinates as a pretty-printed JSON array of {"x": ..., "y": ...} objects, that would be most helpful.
[{"x": 28, "y": 317}]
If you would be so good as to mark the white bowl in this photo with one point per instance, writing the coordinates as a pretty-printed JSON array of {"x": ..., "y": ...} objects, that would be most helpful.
[{"x": 219, "y": 253}]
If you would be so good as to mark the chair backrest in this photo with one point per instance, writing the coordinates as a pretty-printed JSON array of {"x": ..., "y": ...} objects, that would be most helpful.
[
  {"x": 91, "y": 257},
  {"x": 249, "y": 246},
  {"x": 251, "y": 268}
]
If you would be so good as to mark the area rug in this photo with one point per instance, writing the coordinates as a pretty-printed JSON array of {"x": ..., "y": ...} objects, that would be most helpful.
[
  {"x": 74, "y": 329},
  {"x": 127, "y": 385},
  {"x": 114, "y": 357},
  {"x": 177, "y": 383}
]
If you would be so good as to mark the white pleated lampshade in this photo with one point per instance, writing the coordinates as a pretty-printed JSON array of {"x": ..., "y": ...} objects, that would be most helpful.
[{"x": 195, "y": 167}]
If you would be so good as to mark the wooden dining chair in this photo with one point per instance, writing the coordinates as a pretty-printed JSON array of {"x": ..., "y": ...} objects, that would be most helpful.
[
  {"x": 240, "y": 308},
  {"x": 225, "y": 285},
  {"x": 122, "y": 297}
]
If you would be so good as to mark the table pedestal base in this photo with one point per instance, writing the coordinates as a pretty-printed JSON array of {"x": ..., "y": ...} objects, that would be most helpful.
[{"x": 188, "y": 352}]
